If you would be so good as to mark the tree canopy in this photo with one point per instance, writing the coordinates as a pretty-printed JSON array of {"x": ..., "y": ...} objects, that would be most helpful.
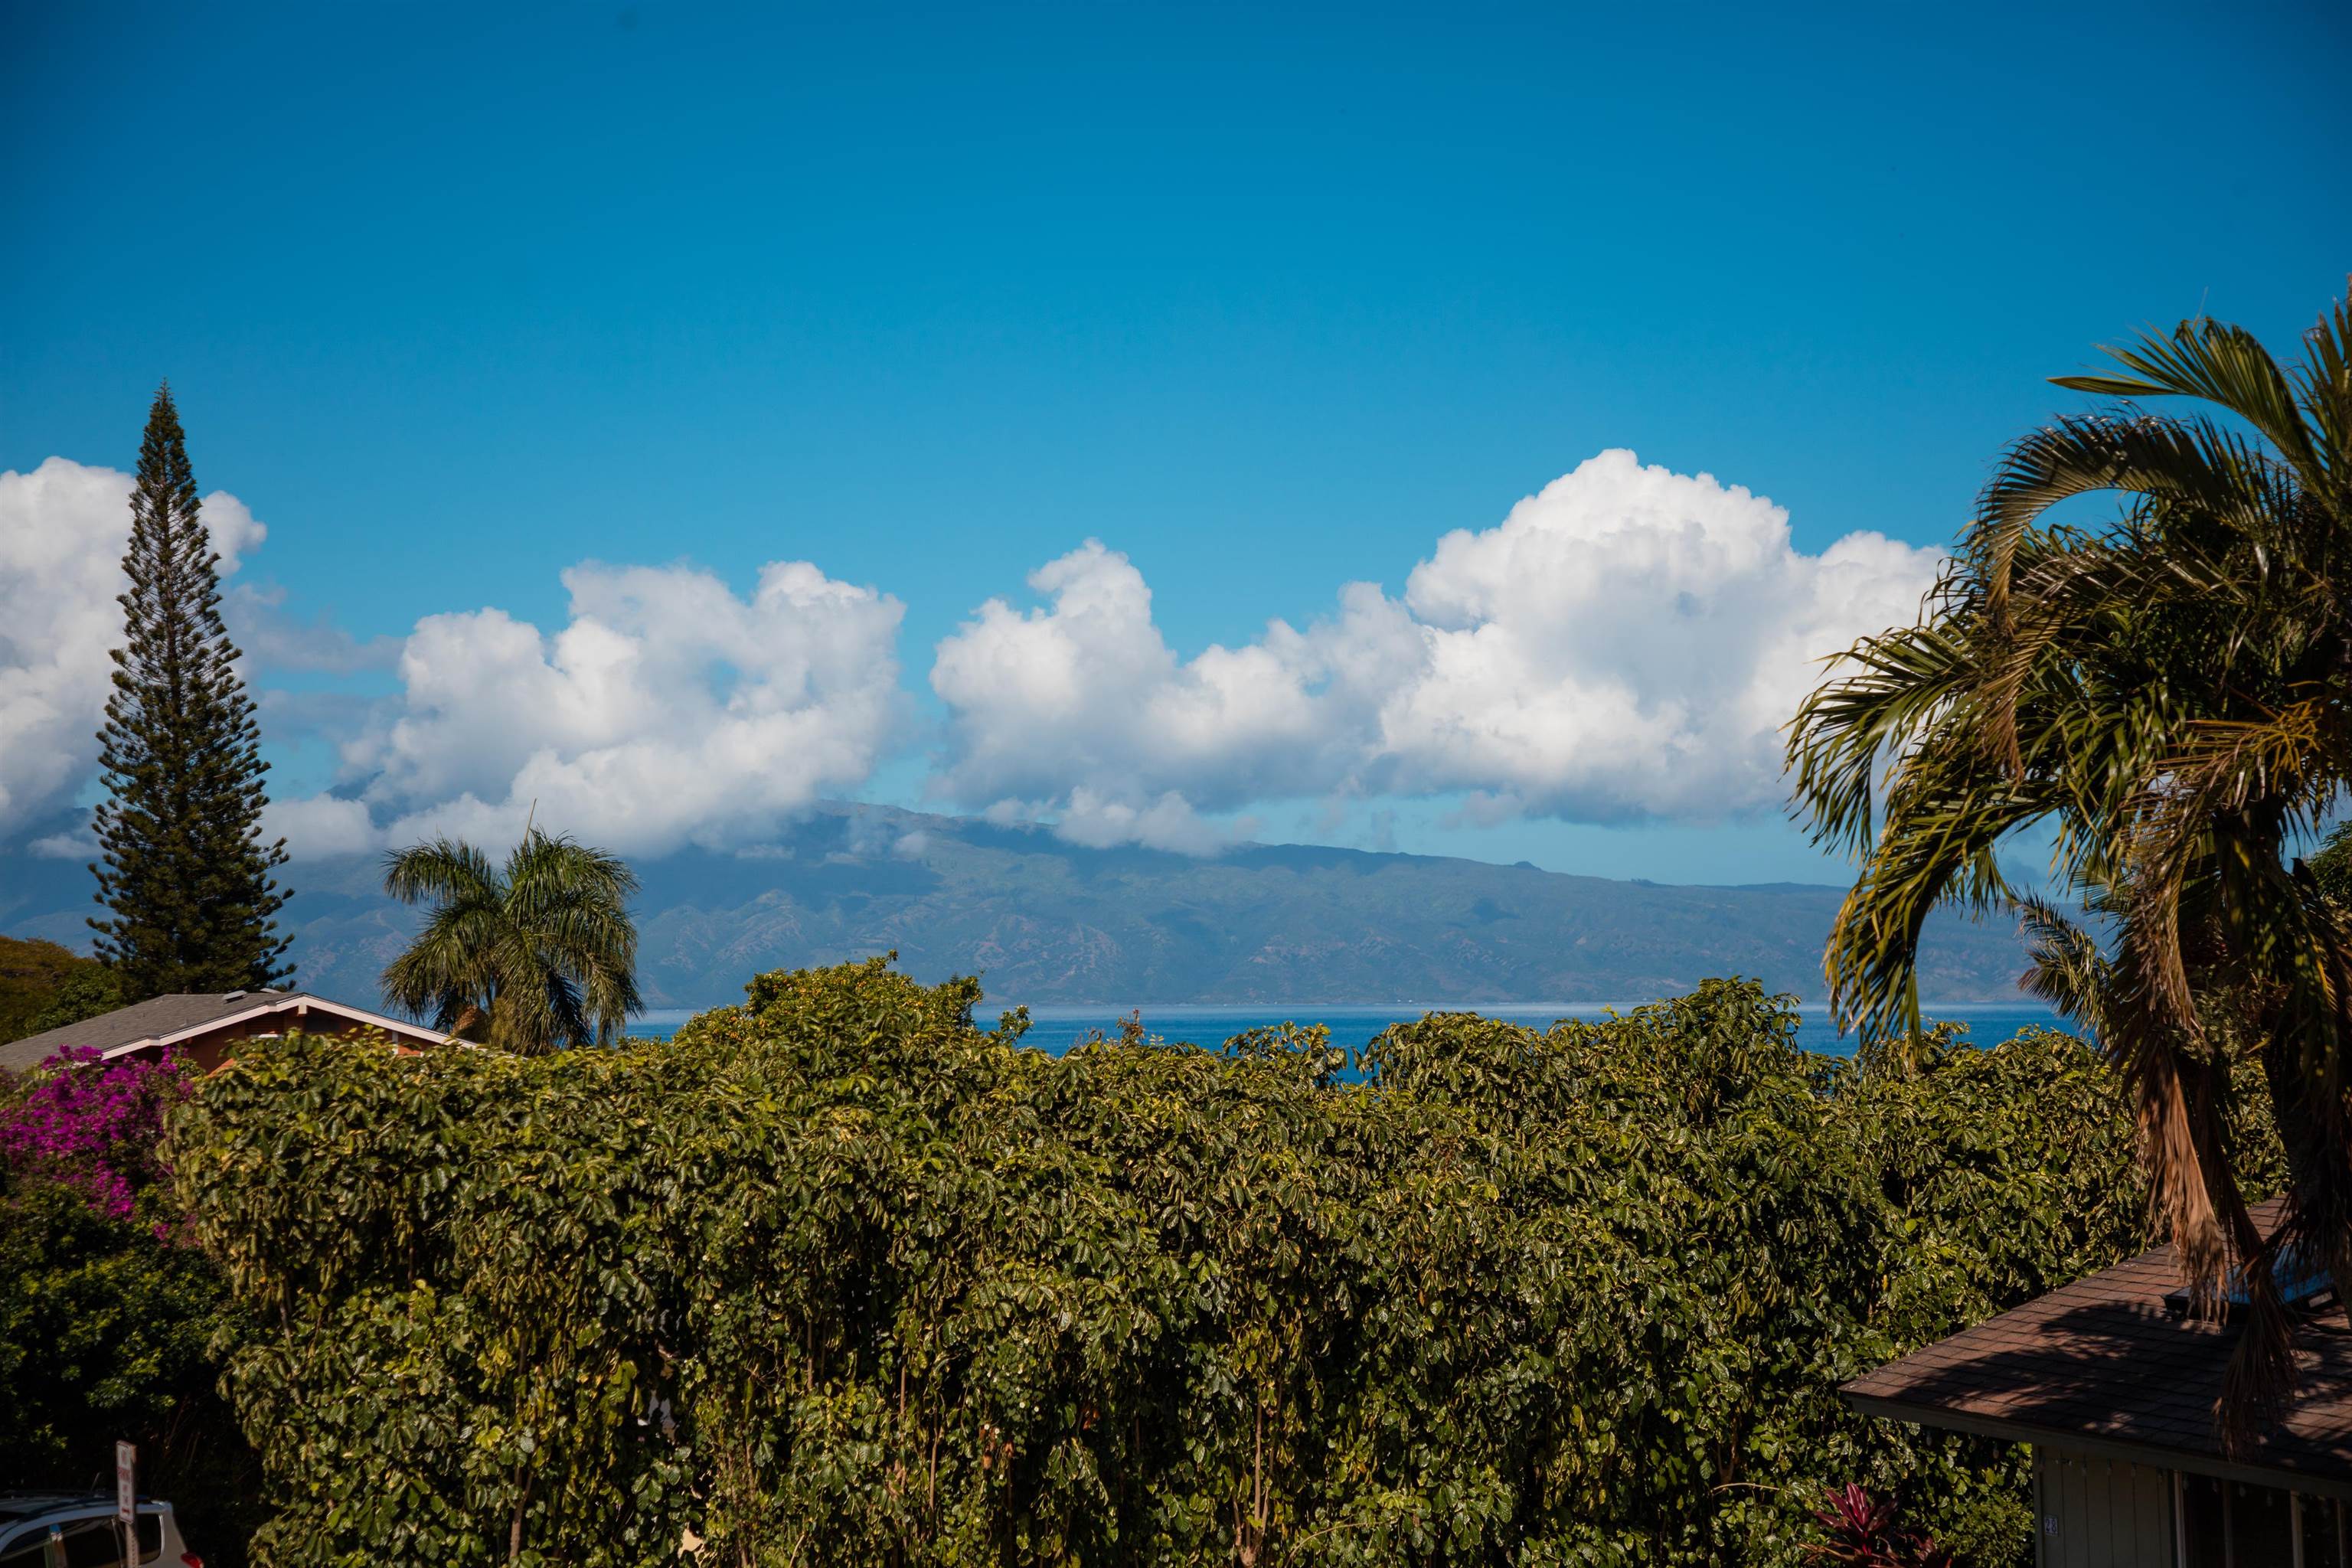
[{"x": 45, "y": 987}]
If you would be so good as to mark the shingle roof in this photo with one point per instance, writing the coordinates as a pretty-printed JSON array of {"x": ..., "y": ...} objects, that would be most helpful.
[
  {"x": 161, "y": 1016},
  {"x": 2103, "y": 1363}
]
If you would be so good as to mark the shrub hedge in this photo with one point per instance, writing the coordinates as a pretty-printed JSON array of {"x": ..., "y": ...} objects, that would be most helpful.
[{"x": 839, "y": 1277}]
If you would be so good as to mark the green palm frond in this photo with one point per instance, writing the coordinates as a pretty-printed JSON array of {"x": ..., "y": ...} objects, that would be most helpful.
[
  {"x": 2221, "y": 365},
  {"x": 442, "y": 869},
  {"x": 543, "y": 947},
  {"x": 2324, "y": 388},
  {"x": 2065, "y": 966}
]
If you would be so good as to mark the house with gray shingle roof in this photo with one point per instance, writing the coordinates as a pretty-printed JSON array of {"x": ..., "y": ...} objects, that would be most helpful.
[
  {"x": 2114, "y": 1384},
  {"x": 208, "y": 1026}
]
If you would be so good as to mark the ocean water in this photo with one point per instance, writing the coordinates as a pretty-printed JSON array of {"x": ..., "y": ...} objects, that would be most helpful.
[{"x": 1057, "y": 1029}]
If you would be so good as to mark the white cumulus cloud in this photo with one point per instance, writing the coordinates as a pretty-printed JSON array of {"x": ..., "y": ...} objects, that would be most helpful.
[
  {"x": 668, "y": 709},
  {"x": 63, "y": 528},
  {"x": 1087, "y": 696},
  {"x": 1625, "y": 644}
]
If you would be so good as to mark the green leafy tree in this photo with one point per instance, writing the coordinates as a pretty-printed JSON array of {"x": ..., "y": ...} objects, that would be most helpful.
[
  {"x": 184, "y": 874},
  {"x": 43, "y": 986},
  {"x": 2171, "y": 692},
  {"x": 88, "y": 991},
  {"x": 2332, "y": 866},
  {"x": 533, "y": 957}
]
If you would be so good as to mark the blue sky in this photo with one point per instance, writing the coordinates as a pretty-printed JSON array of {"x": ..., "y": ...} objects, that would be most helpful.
[{"x": 1266, "y": 300}]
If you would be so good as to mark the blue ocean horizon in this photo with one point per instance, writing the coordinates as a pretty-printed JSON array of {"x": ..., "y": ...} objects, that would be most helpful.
[{"x": 1056, "y": 1030}]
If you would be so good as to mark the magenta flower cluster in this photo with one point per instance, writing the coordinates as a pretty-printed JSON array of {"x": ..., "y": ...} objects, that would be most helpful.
[{"x": 93, "y": 1124}]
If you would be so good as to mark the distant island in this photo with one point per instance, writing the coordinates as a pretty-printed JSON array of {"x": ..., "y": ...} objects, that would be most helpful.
[{"x": 1046, "y": 923}]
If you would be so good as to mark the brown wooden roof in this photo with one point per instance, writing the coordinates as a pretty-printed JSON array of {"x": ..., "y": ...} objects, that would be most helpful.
[
  {"x": 2102, "y": 1365},
  {"x": 177, "y": 1017}
]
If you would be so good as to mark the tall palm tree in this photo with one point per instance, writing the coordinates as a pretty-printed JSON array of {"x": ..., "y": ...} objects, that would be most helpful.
[
  {"x": 534, "y": 958},
  {"x": 2170, "y": 692}
]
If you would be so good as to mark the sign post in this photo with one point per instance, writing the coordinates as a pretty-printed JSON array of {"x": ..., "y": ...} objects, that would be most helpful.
[{"x": 126, "y": 1498}]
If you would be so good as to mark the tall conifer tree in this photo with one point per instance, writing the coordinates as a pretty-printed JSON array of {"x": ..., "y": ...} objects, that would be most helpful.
[{"x": 185, "y": 874}]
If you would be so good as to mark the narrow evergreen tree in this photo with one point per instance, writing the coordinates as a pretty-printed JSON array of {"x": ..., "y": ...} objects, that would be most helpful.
[{"x": 185, "y": 874}]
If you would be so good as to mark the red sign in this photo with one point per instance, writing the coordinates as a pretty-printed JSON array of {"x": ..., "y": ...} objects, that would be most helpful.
[{"x": 126, "y": 1494}]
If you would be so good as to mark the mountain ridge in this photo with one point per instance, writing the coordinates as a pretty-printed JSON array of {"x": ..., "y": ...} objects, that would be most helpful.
[{"x": 1046, "y": 923}]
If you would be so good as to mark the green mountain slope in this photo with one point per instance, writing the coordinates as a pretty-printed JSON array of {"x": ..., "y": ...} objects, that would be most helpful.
[{"x": 1044, "y": 921}]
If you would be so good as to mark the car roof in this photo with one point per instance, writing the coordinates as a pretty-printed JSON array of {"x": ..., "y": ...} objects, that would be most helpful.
[
  {"x": 15, "y": 1508},
  {"x": 24, "y": 1505}
]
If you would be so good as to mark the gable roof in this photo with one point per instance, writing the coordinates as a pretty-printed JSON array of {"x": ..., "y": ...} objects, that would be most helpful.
[
  {"x": 169, "y": 1020},
  {"x": 2103, "y": 1366}
]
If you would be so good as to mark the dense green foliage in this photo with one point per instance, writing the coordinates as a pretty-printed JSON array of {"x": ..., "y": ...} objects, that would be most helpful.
[
  {"x": 2331, "y": 866},
  {"x": 30, "y": 973},
  {"x": 838, "y": 1277},
  {"x": 106, "y": 1332},
  {"x": 2166, "y": 699},
  {"x": 532, "y": 957},
  {"x": 186, "y": 876},
  {"x": 46, "y": 986}
]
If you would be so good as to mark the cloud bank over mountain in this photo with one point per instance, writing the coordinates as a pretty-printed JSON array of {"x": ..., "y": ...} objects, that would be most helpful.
[
  {"x": 667, "y": 710},
  {"x": 1624, "y": 644}
]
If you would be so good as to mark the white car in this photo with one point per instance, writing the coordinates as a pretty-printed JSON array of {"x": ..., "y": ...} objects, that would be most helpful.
[{"x": 77, "y": 1529}]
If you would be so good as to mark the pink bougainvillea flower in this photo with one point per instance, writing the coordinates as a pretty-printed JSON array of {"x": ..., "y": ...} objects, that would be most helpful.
[{"x": 93, "y": 1124}]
